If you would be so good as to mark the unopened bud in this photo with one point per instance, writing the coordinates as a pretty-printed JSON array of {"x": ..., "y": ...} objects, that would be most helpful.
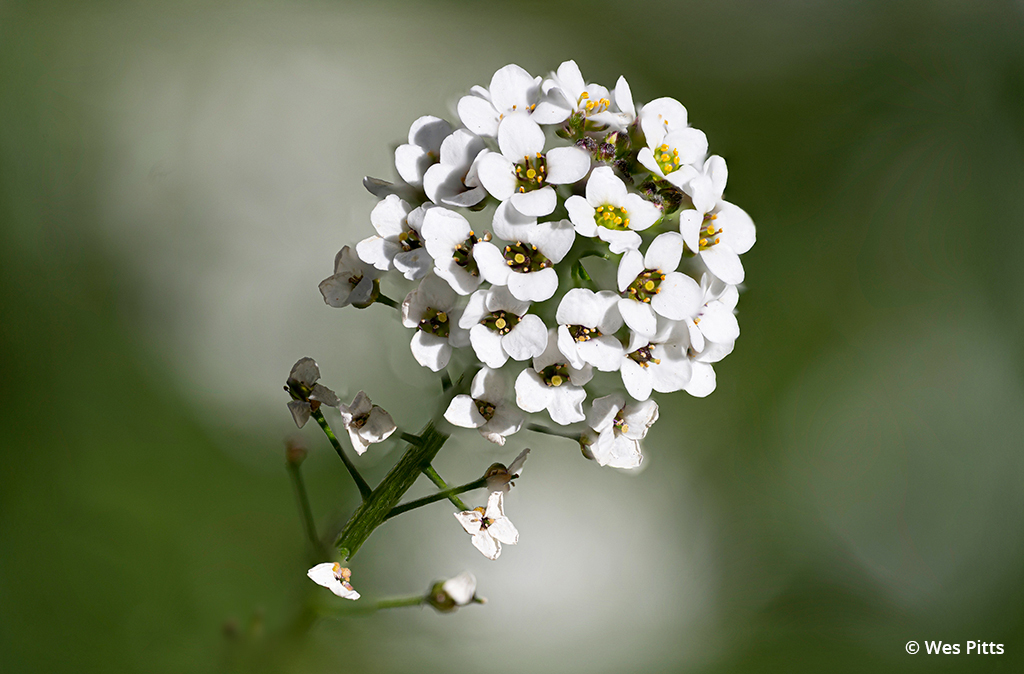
[{"x": 295, "y": 452}]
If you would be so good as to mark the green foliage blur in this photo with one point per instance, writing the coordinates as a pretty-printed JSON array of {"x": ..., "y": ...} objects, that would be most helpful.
[{"x": 854, "y": 483}]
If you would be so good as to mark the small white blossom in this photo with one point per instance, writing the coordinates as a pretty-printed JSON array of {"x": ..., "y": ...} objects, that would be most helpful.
[
  {"x": 448, "y": 595},
  {"x": 651, "y": 286},
  {"x": 660, "y": 363},
  {"x": 352, "y": 282},
  {"x": 335, "y": 578},
  {"x": 523, "y": 174},
  {"x": 500, "y": 328},
  {"x": 423, "y": 149},
  {"x": 452, "y": 243},
  {"x": 485, "y": 408},
  {"x": 431, "y": 310},
  {"x": 454, "y": 181},
  {"x": 553, "y": 384},
  {"x": 512, "y": 90},
  {"x": 526, "y": 266},
  {"x": 489, "y": 527},
  {"x": 587, "y": 322},
  {"x": 726, "y": 232},
  {"x": 621, "y": 427},
  {"x": 567, "y": 92},
  {"x": 499, "y": 478},
  {"x": 398, "y": 243},
  {"x": 611, "y": 213},
  {"x": 366, "y": 423},
  {"x": 307, "y": 395},
  {"x": 715, "y": 321},
  {"x": 672, "y": 145}
]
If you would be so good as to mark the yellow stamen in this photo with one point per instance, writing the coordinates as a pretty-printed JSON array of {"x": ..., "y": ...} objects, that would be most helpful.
[
  {"x": 520, "y": 258},
  {"x": 500, "y": 323},
  {"x": 649, "y": 285},
  {"x": 556, "y": 381}
]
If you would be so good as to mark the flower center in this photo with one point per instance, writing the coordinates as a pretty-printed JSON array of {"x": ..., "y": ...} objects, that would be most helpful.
[
  {"x": 501, "y": 322},
  {"x": 531, "y": 173},
  {"x": 484, "y": 521},
  {"x": 592, "y": 107},
  {"x": 435, "y": 322},
  {"x": 709, "y": 231},
  {"x": 611, "y": 217},
  {"x": 667, "y": 158},
  {"x": 525, "y": 258},
  {"x": 555, "y": 375},
  {"x": 645, "y": 286},
  {"x": 620, "y": 424},
  {"x": 463, "y": 255},
  {"x": 643, "y": 356},
  {"x": 485, "y": 409},
  {"x": 342, "y": 575},
  {"x": 581, "y": 333},
  {"x": 410, "y": 240}
]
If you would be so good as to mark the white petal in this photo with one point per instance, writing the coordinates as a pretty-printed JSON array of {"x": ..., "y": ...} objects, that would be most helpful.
[
  {"x": 497, "y": 175},
  {"x": 503, "y": 530},
  {"x": 581, "y": 213},
  {"x": 604, "y": 352},
  {"x": 567, "y": 165},
  {"x": 702, "y": 383},
  {"x": 305, "y": 371},
  {"x": 442, "y": 229},
  {"x": 536, "y": 203},
  {"x": 461, "y": 588},
  {"x": 412, "y": 162},
  {"x": 616, "y": 451},
  {"x": 639, "y": 418},
  {"x": 603, "y": 411},
  {"x": 478, "y": 115},
  {"x": 520, "y": 137},
  {"x": 618, "y": 241},
  {"x": 429, "y": 133},
  {"x": 487, "y": 345},
  {"x": 566, "y": 404},
  {"x": 691, "y": 143},
  {"x": 378, "y": 427},
  {"x": 491, "y": 263},
  {"x": 642, "y": 213},
  {"x": 475, "y": 309},
  {"x": 624, "y": 97},
  {"x": 500, "y": 299},
  {"x": 527, "y": 339},
  {"x": 512, "y": 86},
  {"x": 488, "y": 385},
  {"x": 554, "y": 238},
  {"x": 430, "y": 350},
  {"x": 300, "y": 410},
  {"x": 638, "y": 316},
  {"x": 739, "y": 232},
  {"x": 535, "y": 286},
  {"x": 509, "y": 224},
  {"x": 462, "y": 411},
  {"x": 336, "y": 290},
  {"x": 671, "y": 374},
  {"x": 361, "y": 405},
  {"x": 678, "y": 297},
  {"x": 506, "y": 421},
  {"x": 719, "y": 324},
  {"x": 690, "y": 222},
  {"x": 661, "y": 116},
  {"x": 532, "y": 394},
  {"x": 723, "y": 263},
  {"x": 567, "y": 345},
  {"x": 665, "y": 252},
  {"x": 389, "y": 216},
  {"x": 470, "y": 521},
  {"x": 414, "y": 264},
  {"x": 487, "y": 545},
  {"x": 630, "y": 266},
  {"x": 605, "y": 188},
  {"x": 637, "y": 379}
]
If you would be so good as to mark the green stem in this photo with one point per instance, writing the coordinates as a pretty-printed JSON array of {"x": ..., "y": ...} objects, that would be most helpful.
[
  {"x": 537, "y": 428},
  {"x": 399, "y": 479},
  {"x": 387, "y": 301},
  {"x": 446, "y": 381},
  {"x": 410, "y": 438},
  {"x": 306, "y": 512},
  {"x": 439, "y": 496},
  {"x": 441, "y": 484},
  {"x": 364, "y": 489},
  {"x": 400, "y": 601}
]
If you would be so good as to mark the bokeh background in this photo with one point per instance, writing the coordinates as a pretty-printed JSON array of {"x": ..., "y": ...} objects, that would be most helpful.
[{"x": 176, "y": 178}]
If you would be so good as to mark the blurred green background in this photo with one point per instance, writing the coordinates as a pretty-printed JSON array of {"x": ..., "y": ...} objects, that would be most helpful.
[{"x": 175, "y": 180}]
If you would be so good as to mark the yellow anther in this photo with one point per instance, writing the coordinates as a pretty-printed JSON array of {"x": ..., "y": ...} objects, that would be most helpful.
[
  {"x": 472, "y": 233},
  {"x": 624, "y": 211},
  {"x": 625, "y": 428},
  {"x": 714, "y": 217},
  {"x": 538, "y": 155},
  {"x": 649, "y": 285},
  {"x": 336, "y": 568},
  {"x": 696, "y": 321},
  {"x": 663, "y": 148},
  {"x": 656, "y": 361},
  {"x": 556, "y": 381},
  {"x": 600, "y": 208},
  {"x": 522, "y": 189},
  {"x": 500, "y": 323},
  {"x": 520, "y": 258},
  {"x": 665, "y": 158},
  {"x": 675, "y": 153},
  {"x": 626, "y": 222},
  {"x": 703, "y": 242},
  {"x": 531, "y": 174},
  {"x": 584, "y": 95},
  {"x": 618, "y": 220},
  {"x": 717, "y": 240}
]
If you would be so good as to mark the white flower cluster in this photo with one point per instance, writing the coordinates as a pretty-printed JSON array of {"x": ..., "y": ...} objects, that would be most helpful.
[{"x": 565, "y": 229}]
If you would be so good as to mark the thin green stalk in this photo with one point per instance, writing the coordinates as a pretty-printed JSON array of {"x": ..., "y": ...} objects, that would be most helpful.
[
  {"x": 536, "y": 428},
  {"x": 439, "y": 496},
  {"x": 387, "y": 301},
  {"x": 307, "y": 513},
  {"x": 441, "y": 484},
  {"x": 410, "y": 438},
  {"x": 446, "y": 381},
  {"x": 364, "y": 489},
  {"x": 386, "y": 496},
  {"x": 401, "y": 601}
]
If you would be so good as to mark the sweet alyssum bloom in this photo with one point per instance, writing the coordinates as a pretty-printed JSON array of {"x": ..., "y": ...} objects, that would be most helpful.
[
  {"x": 726, "y": 232},
  {"x": 566, "y": 93},
  {"x": 485, "y": 408},
  {"x": 620, "y": 428},
  {"x": 499, "y": 478},
  {"x": 448, "y": 595},
  {"x": 452, "y": 243},
  {"x": 398, "y": 243},
  {"x": 489, "y": 527},
  {"x": 672, "y": 145},
  {"x": 553, "y": 384},
  {"x": 587, "y": 322},
  {"x": 335, "y": 578},
  {"x": 651, "y": 286},
  {"x": 715, "y": 321},
  {"x": 611, "y": 213},
  {"x": 512, "y": 90},
  {"x": 307, "y": 395},
  {"x": 352, "y": 282},
  {"x": 526, "y": 266},
  {"x": 431, "y": 310},
  {"x": 500, "y": 327},
  {"x": 454, "y": 180},
  {"x": 366, "y": 423},
  {"x": 660, "y": 363},
  {"x": 412, "y": 159},
  {"x": 523, "y": 174}
]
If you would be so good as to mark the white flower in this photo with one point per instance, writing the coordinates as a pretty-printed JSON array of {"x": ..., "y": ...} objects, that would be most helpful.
[
  {"x": 660, "y": 363},
  {"x": 366, "y": 423},
  {"x": 414, "y": 158},
  {"x": 566, "y": 92},
  {"x": 715, "y": 321},
  {"x": 706, "y": 188},
  {"x": 553, "y": 384},
  {"x": 448, "y": 595},
  {"x": 527, "y": 265},
  {"x": 398, "y": 243},
  {"x": 307, "y": 395},
  {"x": 500, "y": 328},
  {"x": 499, "y": 478},
  {"x": 650, "y": 286},
  {"x": 485, "y": 408},
  {"x": 611, "y": 213},
  {"x": 352, "y": 282},
  {"x": 431, "y": 310},
  {"x": 523, "y": 174},
  {"x": 587, "y": 322},
  {"x": 621, "y": 427},
  {"x": 672, "y": 145},
  {"x": 725, "y": 233},
  {"x": 335, "y": 578},
  {"x": 512, "y": 90},
  {"x": 454, "y": 181},
  {"x": 489, "y": 527},
  {"x": 453, "y": 244}
]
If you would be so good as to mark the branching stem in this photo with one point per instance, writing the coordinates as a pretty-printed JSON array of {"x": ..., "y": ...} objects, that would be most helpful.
[
  {"x": 439, "y": 496},
  {"x": 364, "y": 489}
]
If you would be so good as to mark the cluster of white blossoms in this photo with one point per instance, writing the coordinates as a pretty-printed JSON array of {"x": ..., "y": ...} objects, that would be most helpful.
[{"x": 569, "y": 250}]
